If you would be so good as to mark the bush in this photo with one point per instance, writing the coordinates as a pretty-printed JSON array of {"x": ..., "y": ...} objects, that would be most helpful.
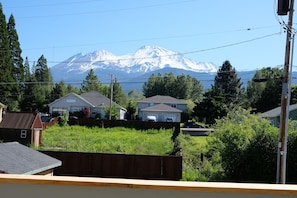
[
  {"x": 63, "y": 120},
  {"x": 246, "y": 145}
]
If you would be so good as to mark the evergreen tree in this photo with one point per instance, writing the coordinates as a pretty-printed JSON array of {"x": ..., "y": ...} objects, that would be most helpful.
[
  {"x": 148, "y": 87},
  {"x": 59, "y": 90},
  {"x": 27, "y": 73},
  {"x": 18, "y": 68},
  {"x": 136, "y": 95},
  {"x": 224, "y": 95},
  {"x": 119, "y": 96},
  {"x": 42, "y": 72},
  {"x": 43, "y": 85},
  {"x": 227, "y": 81},
  {"x": 264, "y": 91},
  {"x": 15, "y": 49},
  {"x": 8, "y": 87},
  {"x": 28, "y": 102},
  {"x": 211, "y": 107},
  {"x": 71, "y": 89},
  {"x": 169, "y": 84},
  {"x": 196, "y": 90},
  {"x": 181, "y": 86},
  {"x": 90, "y": 83},
  {"x": 131, "y": 109},
  {"x": 27, "y": 93},
  {"x": 105, "y": 90}
]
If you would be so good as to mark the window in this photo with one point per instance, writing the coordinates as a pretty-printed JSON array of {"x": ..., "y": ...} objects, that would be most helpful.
[{"x": 23, "y": 133}]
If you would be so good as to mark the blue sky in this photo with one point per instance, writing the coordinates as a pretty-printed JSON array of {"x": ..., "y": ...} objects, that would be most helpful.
[{"x": 247, "y": 33}]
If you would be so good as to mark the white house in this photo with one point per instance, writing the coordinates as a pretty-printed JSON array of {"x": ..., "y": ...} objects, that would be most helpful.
[
  {"x": 161, "y": 109},
  {"x": 93, "y": 101}
]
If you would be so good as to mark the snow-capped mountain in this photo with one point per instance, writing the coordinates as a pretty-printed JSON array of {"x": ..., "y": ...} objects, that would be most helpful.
[{"x": 145, "y": 60}]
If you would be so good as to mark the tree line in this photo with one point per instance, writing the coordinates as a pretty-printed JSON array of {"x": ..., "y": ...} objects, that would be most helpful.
[
  {"x": 31, "y": 88},
  {"x": 263, "y": 92},
  {"x": 26, "y": 87}
]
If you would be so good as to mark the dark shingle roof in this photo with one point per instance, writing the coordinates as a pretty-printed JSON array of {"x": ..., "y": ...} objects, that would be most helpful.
[
  {"x": 161, "y": 107},
  {"x": 97, "y": 99},
  {"x": 16, "y": 158},
  {"x": 19, "y": 120},
  {"x": 162, "y": 99}
]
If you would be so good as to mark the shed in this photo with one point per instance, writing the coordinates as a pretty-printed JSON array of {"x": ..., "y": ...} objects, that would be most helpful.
[
  {"x": 16, "y": 158},
  {"x": 23, "y": 127}
]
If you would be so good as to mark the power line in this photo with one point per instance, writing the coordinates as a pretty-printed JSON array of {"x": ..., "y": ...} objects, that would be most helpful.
[
  {"x": 109, "y": 11},
  {"x": 52, "y": 4},
  {"x": 152, "y": 38},
  {"x": 178, "y": 53}
]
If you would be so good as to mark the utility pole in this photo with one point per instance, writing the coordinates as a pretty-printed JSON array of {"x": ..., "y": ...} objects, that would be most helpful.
[
  {"x": 111, "y": 95},
  {"x": 285, "y": 97}
]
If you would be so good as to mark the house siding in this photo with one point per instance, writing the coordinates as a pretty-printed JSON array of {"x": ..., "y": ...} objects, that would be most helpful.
[
  {"x": 275, "y": 121},
  {"x": 161, "y": 116},
  {"x": 69, "y": 103},
  {"x": 94, "y": 101},
  {"x": 172, "y": 109}
]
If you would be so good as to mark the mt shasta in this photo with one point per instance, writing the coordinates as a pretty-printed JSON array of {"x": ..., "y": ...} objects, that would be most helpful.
[{"x": 132, "y": 67}]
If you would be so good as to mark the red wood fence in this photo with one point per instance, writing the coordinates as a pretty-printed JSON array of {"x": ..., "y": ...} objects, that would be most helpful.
[{"x": 118, "y": 165}]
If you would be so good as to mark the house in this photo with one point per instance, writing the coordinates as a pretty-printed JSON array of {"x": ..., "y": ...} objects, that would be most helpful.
[
  {"x": 273, "y": 115},
  {"x": 161, "y": 109},
  {"x": 16, "y": 158},
  {"x": 23, "y": 127},
  {"x": 92, "y": 102}
]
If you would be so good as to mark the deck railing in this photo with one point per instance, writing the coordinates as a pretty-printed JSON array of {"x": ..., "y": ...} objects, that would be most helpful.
[{"x": 74, "y": 187}]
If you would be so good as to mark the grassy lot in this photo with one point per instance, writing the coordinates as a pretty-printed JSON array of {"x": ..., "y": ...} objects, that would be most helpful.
[
  {"x": 128, "y": 141},
  {"x": 107, "y": 140}
]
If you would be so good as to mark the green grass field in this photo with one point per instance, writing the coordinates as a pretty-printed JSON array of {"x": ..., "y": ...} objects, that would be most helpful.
[
  {"x": 128, "y": 141},
  {"x": 107, "y": 140}
]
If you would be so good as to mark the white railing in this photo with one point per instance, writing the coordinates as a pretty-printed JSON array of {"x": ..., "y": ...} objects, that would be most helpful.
[{"x": 32, "y": 186}]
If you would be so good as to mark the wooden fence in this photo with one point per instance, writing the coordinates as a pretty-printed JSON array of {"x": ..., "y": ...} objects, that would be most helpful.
[{"x": 118, "y": 165}]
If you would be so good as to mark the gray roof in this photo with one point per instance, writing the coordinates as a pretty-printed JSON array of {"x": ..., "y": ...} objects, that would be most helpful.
[
  {"x": 97, "y": 99},
  {"x": 161, "y": 107},
  {"x": 16, "y": 158},
  {"x": 162, "y": 99},
  {"x": 276, "y": 111},
  {"x": 93, "y": 98},
  {"x": 71, "y": 94}
]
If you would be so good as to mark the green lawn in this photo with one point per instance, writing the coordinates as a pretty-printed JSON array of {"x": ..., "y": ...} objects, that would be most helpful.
[{"x": 107, "y": 140}]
